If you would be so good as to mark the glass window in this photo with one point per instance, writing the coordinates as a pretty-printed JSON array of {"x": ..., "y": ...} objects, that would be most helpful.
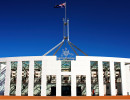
[
  {"x": 51, "y": 85},
  {"x": 37, "y": 78},
  {"x": 118, "y": 85},
  {"x": 81, "y": 85},
  {"x": 65, "y": 66},
  {"x": 94, "y": 78},
  {"x": 66, "y": 85},
  {"x": 25, "y": 78},
  {"x": 106, "y": 78},
  {"x": 2, "y": 77},
  {"x": 13, "y": 78}
]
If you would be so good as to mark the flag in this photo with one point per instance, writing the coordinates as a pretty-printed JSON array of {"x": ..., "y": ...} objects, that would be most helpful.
[{"x": 63, "y": 5}]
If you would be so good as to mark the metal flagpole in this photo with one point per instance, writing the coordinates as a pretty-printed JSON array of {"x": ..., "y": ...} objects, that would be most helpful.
[
  {"x": 68, "y": 28},
  {"x": 65, "y": 37},
  {"x": 65, "y": 11}
]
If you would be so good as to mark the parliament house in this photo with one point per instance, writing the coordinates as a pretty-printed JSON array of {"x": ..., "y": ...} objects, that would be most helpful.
[{"x": 48, "y": 76}]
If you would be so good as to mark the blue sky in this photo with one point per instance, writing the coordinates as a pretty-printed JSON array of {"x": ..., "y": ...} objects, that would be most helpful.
[{"x": 32, "y": 27}]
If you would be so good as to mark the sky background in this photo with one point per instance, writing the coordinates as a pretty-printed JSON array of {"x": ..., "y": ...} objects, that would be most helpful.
[{"x": 32, "y": 27}]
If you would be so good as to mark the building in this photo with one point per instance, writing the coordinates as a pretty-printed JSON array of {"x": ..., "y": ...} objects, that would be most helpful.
[
  {"x": 50, "y": 76},
  {"x": 47, "y": 76}
]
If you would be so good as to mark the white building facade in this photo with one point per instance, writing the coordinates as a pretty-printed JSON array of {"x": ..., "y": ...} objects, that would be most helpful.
[{"x": 47, "y": 76}]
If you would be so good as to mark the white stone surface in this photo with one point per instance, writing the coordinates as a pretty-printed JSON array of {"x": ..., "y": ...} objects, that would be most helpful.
[
  {"x": 100, "y": 78},
  {"x": 112, "y": 77}
]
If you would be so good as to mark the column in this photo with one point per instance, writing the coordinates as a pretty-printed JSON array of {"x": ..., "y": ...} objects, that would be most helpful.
[
  {"x": 123, "y": 79},
  {"x": 128, "y": 84},
  {"x": 112, "y": 77},
  {"x": 73, "y": 85},
  {"x": 88, "y": 79},
  {"x": 100, "y": 78},
  {"x": 58, "y": 85},
  {"x": 43, "y": 78},
  {"x": 7, "y": 78},
  {"x": 43, "y": 85},
  {"x": 31, "y": 78},
  {"x": 19, "y": 79}
]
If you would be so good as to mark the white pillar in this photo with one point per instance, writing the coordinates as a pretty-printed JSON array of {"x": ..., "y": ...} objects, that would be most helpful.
[
  {"x": 58, "y": 85},
  {"x": 19, "y": 79},
  {"x": 73, "y": 85},
  {"x": 112, "y": 77},
  {"x": 43, "y": 80},
  {"x": 123, "y": 79},
  {"x": 88, "y": 78},
  {"x": 100, "y": 78},
  {"x": 128, "y": 79},
  {"x": 31, "y": 78},
  {"x": 43, "y": 85},
  {"x": 7, "y": 78}
]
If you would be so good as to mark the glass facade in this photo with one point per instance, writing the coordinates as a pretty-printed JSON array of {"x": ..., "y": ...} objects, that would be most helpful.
[
  {"x": 106, "y": 78},
  {"x": 66, "y": 85},
  {"x": 2, "y": 77},
  {"x": 81, "y": 85},
  {"x": 13, "y": 77},
  {"x": 25, "y": 78},
  {"x": 94, "y": 78},
  {"x": 118, "y": 85},
  {"x": 37, "y": 78},
  {"x": 65, "y": 66},
  {"x": 51, "y": 85}
]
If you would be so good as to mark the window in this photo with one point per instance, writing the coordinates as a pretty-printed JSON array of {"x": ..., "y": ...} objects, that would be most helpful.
[
  {"x": 81, "y": 85},
  {"x": 2, "y": 77},
  {"x": 37, "y": 78},
  {"x": 66, "y": 85},
  {"x": 106, "y": 78},
  {"x": 118, "y": 82},
  {"x": 13, "y": 78},
  {"x": 94, "y": 78},
  {"x": 25, "y": 78},
  {"x": 65, "y": 66},
  {"x": 51, "y": 85}
]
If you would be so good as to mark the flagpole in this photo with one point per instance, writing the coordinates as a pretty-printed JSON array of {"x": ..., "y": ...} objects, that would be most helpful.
[{"x": 65, "y": 11}]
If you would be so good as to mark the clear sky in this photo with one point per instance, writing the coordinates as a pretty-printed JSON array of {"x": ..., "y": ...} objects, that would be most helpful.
[{"x": 32, "y": 27}]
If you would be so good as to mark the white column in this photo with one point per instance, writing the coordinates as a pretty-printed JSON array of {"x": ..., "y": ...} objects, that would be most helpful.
[
  {"x": 43, "y": 78},
  {"x": 43, "y": 85},
  {"x": 100, "y": 78},
  {"x": 19, "y": 79},
  {"x": 7, "y": 78},
  {"x": 88, "y": 78},
  {"x": 128, "y": 84},
  {"x": 112, "y": 77},
  {"x": 73, "y": 85},
  {"x": 123, "y": 79},
  {"x": 31, "y": 78},
  {"x": 58, "y": 85}
]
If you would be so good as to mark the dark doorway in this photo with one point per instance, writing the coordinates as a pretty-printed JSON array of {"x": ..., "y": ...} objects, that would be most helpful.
[
  {"x": 66, "y": 90},
  {"x": 119, "y": 88},
  {"x": 108, "y": 89},
  {"x": 79, "y": 91},
  {"x": 53, "y": 91}
]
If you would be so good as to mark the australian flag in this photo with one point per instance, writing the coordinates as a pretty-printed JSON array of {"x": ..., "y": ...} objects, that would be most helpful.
[{"x": 63, "y": 5}]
